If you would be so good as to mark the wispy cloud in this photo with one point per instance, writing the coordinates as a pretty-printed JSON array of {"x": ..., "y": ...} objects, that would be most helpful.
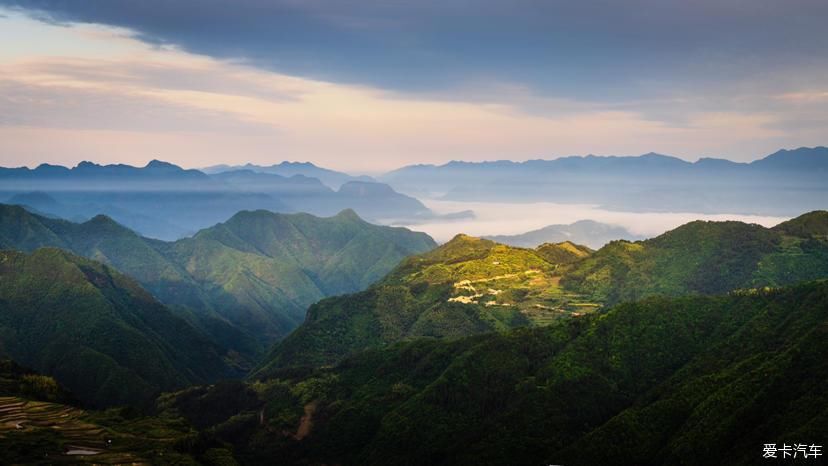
[{"x": 101, "y": 93}]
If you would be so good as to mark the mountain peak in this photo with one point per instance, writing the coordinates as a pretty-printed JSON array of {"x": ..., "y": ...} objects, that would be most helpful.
[
  {"x": 809, "y": 224},
  {"x": 366, "y": 188},
  {"x": 103, "y": 222},
  {"x": 348, "y": 214},
  {"x": 287, "y": 163},
  {"x": 160, "y": 164},
  {"x": 565, "y": 252},
  {"x": 464, "y": 238},
  {"x": 86, "y": 165},
  {"x": 803, "y": 157}
]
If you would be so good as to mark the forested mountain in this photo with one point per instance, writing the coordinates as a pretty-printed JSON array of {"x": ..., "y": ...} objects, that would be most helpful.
[
  {"x": 785, "y": 183},
  {"x": 587, "y": 232},
  {"x": 708, "y": 376},
  {"x": 466, "y": 286},
  {"x": 687, "y": 380},
  {"x": 470, "y": 285},
  {"x": 707, "y": 258},
  {"x": 162, "y": 200},
  {"x": 97, "y": 331},
  {"x": 246, "y": 282}
]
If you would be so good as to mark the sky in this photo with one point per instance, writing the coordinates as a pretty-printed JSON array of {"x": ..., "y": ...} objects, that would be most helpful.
[{"x": 371, "y": 85}]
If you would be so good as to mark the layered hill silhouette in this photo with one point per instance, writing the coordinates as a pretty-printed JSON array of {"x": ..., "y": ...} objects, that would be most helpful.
[
  {"x": 330, "y": 178},
  {"x": 302, "y": 193},
  {"x": 164, "y": 201},
  {"x": 784, "y": 183},
  {"x": 703, "y": 343},
  {"x": 246, "y": 282},
  {"x": 469, "y": 285},
  {"x": 97, "y": 331}
]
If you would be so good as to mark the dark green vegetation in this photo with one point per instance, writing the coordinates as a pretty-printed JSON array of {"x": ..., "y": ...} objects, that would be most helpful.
[
  {"x": 706, "y": 258},
  {"x": 39, "y": 424},
  {"x": 470, "y": 286},
  {"x": 688, "y": 380},
  {"x": 464, "y": 287},
  {"x": 245, "y": 282},
  {"x": 16, "y": 380},
  {"x": 97, "y": 331},
  {"x": 462, "y": 355}
]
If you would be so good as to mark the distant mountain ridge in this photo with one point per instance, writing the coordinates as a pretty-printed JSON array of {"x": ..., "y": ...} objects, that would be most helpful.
[
  {"x": 165, "y": 201},
  {"x": 331, "y": 178},
  {"x": 588, "y": 232},
  {"x": 786, "y": 182},
  {"x": 379, "y": 201}
]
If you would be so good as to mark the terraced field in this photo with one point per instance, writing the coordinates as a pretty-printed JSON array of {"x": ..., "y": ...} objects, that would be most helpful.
[
  {"x": 36, "y": 432},
  {"x": 537, "y": 294},
  {"x": 60, "y": 432}
]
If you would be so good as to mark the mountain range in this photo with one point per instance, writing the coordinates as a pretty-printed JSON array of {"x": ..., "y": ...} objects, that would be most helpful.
[
  {"x": 786, "y": 182},
  {"x": 245, "y": 282},
  {"x": 470, "y": 285},
  {"x": 164, "y": 201},
  {"x": 683, "y": 380},
  {"x": 330, "y": 178},
  {"x": 703, "y": 343}
]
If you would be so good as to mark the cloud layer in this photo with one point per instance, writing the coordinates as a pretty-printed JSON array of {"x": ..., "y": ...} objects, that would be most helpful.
[{"x": 373, "y": 85}]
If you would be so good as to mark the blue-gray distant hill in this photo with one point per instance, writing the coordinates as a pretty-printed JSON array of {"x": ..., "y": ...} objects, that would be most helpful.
[
  {"x": 587, "y": 232},
  {"x": 331, "y": 178},
  {"x": 783, "y": 183},
  {"x": 375, "y": 201},
  {"x": 164, "y": 201}
]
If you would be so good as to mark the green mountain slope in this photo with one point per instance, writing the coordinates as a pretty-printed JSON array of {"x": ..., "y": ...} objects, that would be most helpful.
[
  {"x": 97, "y": 331},
  {"x": 705, "y": 258},
  {"x": 248, "y": 281},
  {"x": 464, "y": 287},
  {"x": 811, "y": 224},
  {"x": 470, "y": 286},
  {"x": 690, "y": 380}
]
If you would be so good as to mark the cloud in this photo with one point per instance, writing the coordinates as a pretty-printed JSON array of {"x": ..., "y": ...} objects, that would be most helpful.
[
  {"x": 101, "y": 93},
  {"x": 601, "y": 50},
  {"x": 495, "y": 218}
]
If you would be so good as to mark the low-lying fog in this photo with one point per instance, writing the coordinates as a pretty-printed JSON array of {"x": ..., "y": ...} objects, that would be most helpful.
[{"x": 493, "y": 218}]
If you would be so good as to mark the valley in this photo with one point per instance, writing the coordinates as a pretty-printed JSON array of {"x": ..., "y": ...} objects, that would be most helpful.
[
  {"x": 472, "y": 340},
  {"x": 413, "y": 233}
]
